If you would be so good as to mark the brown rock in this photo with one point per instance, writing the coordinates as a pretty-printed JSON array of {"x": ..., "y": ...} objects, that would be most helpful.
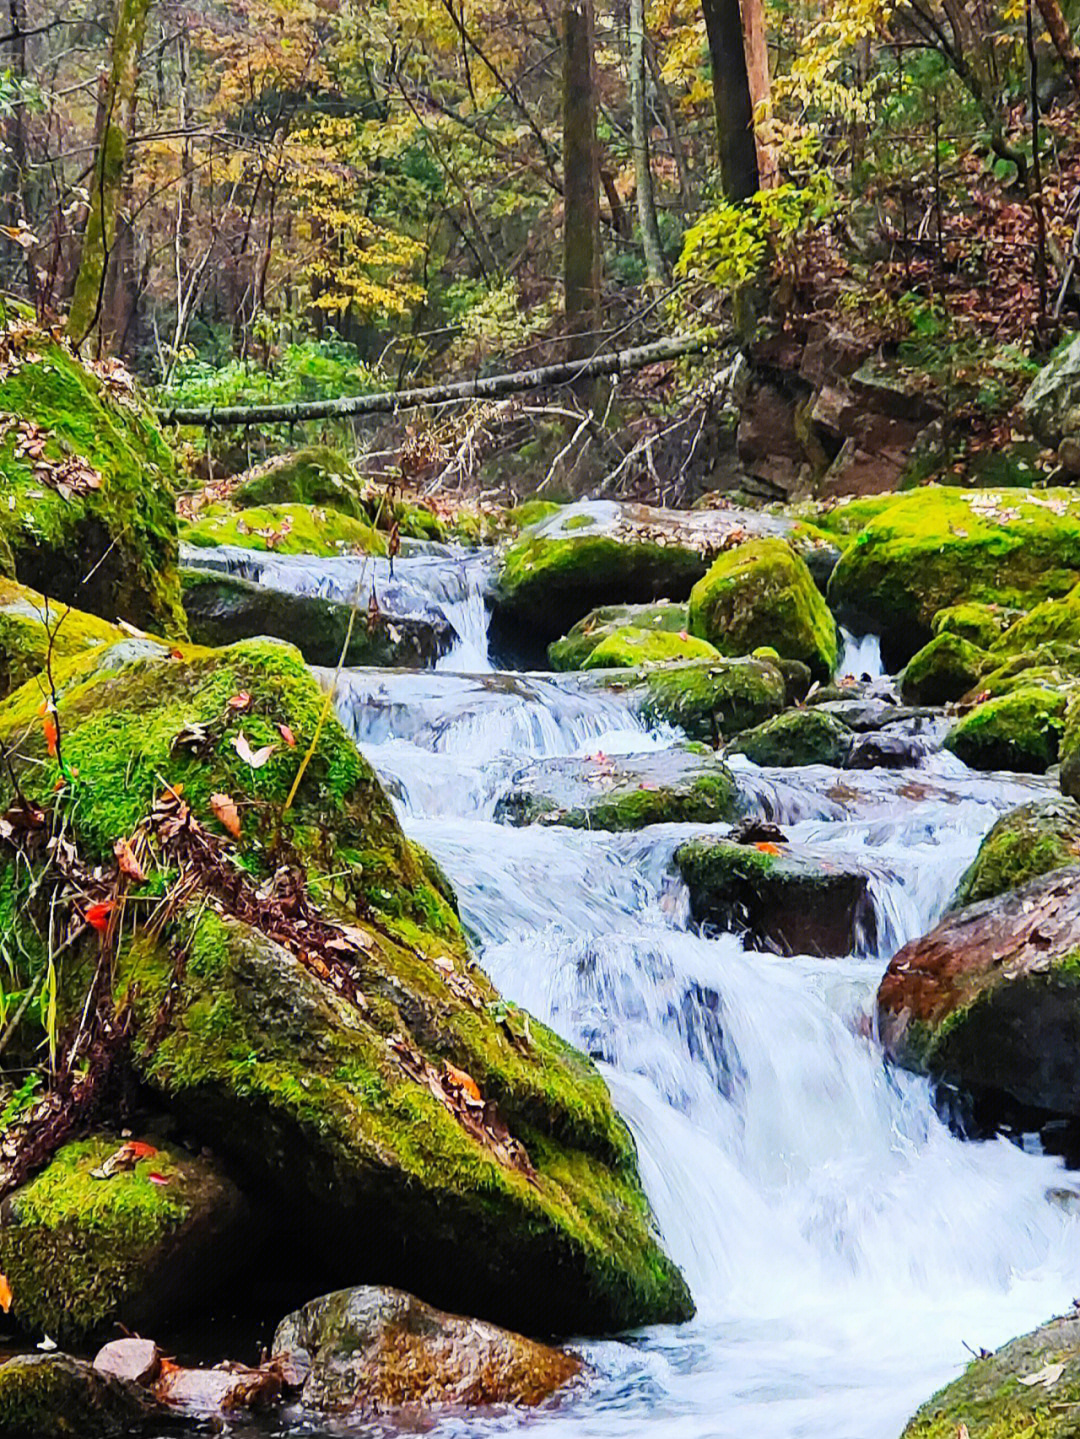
[
  {"x": 138, "y": 1361},
  {"x": 381, "y": 1349},
  {"x": 222, "y": 1390}
]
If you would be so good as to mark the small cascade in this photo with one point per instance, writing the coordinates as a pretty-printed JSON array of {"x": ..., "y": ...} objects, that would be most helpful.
[{"x": 860, "y": 656}]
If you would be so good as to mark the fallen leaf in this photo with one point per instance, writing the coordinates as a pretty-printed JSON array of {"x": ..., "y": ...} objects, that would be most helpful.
[
  {"x": 241, "y": 701},
  {"x": 140, "y": 1149},
  {"x": 156, "y": 1178},
  {"x": 287, "y": 735},
  {"x": 47, "y": 1344},
  {"x": 464, "y": 1081},
  {"x": 255, "y": 758},
  {"x": 1047, "y": 1376},
  {"x": 6, "y": 1295},
  {"x": 52, "y": 735},
  {"x": 129, "y": 865},
  {"x": 226, "y": 813},
  {"x": 98, "y": 915},
  {"x": 767, "y": 847}
]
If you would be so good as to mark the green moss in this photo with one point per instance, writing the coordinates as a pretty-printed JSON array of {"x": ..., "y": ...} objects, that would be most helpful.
[
  {"x": 1020, "y": 731},
  {"x": 317, "y": 475},
  {"x": 532, "y": 512},
  {"x": 761, "y": 593},
  {"x": 630, "y": 646},
  {"x": 571, "y": 652},
  {"x": 1031, "y": 840},
  {"x": 709, "y": 699},
  {"x": 942, "y": 670},
  {"x": 980, "y": 625},
  {"x": 285, "y": 529},
  {"x": 705, "y": 795},
  {"x": 52, "y": 1396},
  {"x": 802, "y": 736},
  {"x": 31, "y": 626},
  {"x": 1052, "y": 622}
]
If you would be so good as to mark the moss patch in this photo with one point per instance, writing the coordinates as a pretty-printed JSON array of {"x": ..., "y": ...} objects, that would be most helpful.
[
  {"x": 980, "y": 625},
  {"x": 571, "y": 652},
  {"x": 708, "y": 699},
  {"x": 629, "y": 647},
  {"x": 1031, "y": 840},
  {"x": 806, "y": 736},
  {"x": 31, "y": 626},
  {"x": 286, "y": 529},
  {"x": 942, "y": 670},
  {"x": 1020, "y": 731}
]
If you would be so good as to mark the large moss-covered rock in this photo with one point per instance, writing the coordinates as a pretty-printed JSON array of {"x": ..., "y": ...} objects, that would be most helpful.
[
  {"x": 1054, "y": 622},
  {"x": 1030, "y": 1389},
  {"x": 399, "y": 1120},
  {"x": 378, "y": 1350},
  {"x": 82, "y": 1251},
  {"x": 287, "y": 529},
  {"x": 622, "y": 792},
  {"x": 935, "y": 547},
  {"x": 1019, "y": 731},
  {"x": 87, "y": 505},
  {"x": 980, "y": 625},
  {"x": 571, "y": 652},
  {"x": 761, "y": 593},
  {"x": 784, "y": 898},
  {"x": 222, "y": 609},
  {"x": 33, "y": 628},
  {"x": 630, "y": 647},
  {"x": 316, "y": 475},
  {"x": 708, "y": 699},
  {"x": 1031, "y": 840},
  {"x": 806, "y": 736},
  {"x": 942, "y": 671},
  {"x": 52, "y": 1396},
  {"x": 990, "y": 1000}
]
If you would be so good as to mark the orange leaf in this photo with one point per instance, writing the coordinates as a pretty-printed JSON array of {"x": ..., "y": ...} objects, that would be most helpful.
[
  {"x": 241, "y": 701},
  {"x": 6, "y": 1295},
  {"x": 226, "y": 813},
  {"x": 464, "y": 1081},
  {"x": 139, "y": 1148},
  {"x": 767, "y": 847},
  {"x": 52, "y": 735},
  {"x": 287, "y": 735},
  {"x": 98, "y": 915},
  {"x": 129, "y": 865}
]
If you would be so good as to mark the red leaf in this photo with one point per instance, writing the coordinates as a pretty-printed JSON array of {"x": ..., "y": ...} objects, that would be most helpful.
[
  {"x": 52, "y": 734},
  {"x": 140, "y": 1149},
  {"x": 241, "y": 701},
  {"x": 98, "y": 915},
  {"x": 156, "y": 1178},
  {"x": 287, "y": 735}
]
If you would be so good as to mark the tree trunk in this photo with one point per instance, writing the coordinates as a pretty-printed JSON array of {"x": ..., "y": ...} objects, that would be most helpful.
[
  {"x": 581, "y": 179},
  {"x": 110, "y": 169},
  {"x": 757, "y": 66},
  {"x": 1058, "y": 27},
  {"x": 731, "y": 94},
  {"x": 655, "y": 261}
]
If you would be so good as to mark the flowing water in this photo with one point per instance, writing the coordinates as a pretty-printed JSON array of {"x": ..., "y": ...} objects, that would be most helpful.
[{"x": 841, "y": 1244}]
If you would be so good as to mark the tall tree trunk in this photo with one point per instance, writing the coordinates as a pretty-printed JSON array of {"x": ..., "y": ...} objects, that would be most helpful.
[
  {"x": 1058, "y": 26},
  {"x": 14, "y": 207},
  {"x": 655, "y": 262},
  {"x": 731, "y": 94},
  {"x": 581, "y": 178},
  {"x": 757, "y": 67},
  {"x": 110, "y": 168}
]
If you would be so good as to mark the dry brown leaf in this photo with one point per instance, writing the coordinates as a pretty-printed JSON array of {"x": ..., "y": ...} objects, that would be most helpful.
[
  {"x": 226, "y": 813},
  {"x": 129, "y": 865}
]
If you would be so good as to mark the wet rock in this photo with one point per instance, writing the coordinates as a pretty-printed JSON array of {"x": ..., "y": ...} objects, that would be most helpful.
[
  {"x": 784, "y": 898},
  {"x": 622, "y": 792},
  {"x": 804, "y": 736},
  {"x": 52, "y": 1396},
  {"x": 222, "y": 609},
  {"x": 630, "y": 647},
  {"x": 942, "y": 671},
  {"x": 1034, "y": 839},
  {"x": 754, "y": 831},
  {"x": 761, "y": 593},
  {"x": 1020, "y": 731},
  {"x": 708, "y": 699},
  {"x": 136, "y": 1361},
  {"x": 159, "y": 1234},
  {"x": 284, "y": 529},
  {"x": 1031, "y": 1386},
  {"x": 882, "y": 750},
  {"x": 990, "y": 1000},
  {"x": 571, "y": 652},
  {"x": 376, "y": 1350},
  {"x": 221, "y": 1390}
]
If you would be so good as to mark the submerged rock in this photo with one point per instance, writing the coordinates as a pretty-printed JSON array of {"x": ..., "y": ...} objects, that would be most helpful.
[
  {"x": 942, "y": 671},
  {"x": 622, "y": 792},
  {"x": 802, "y": 736},
  {"x": 84, "y": 1245},
  {"x": 784, "y": 898},
  {"x": 1031, "y": 840},
  {"x": 287, "y": 529},
  {"x": 990, "y": 999},
  {"x": 761, "y": 593},
  {"x": 222, "y": 609},
  {"x": 1019, "y": 731},
  {"x": 52, "y": 1396},
  {"x": 373, "y": 1350},
  {"x": 575, "y": 647},
  {"x": 1030, "y": 1387}
]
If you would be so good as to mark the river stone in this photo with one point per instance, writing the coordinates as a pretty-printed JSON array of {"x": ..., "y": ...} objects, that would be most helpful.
[
  {"x": 222, "y": 609},
  {"x": 1018, "y": 731},
  {"x": 52, "y": 1396},
  {"x": 1053, "y": 395},
  {"x": 575, "y": 647},
  {"x": 1031, "y": 1387},
  {"x": 799, "y": 737},
  {"x": 885, "y": 750},
  {"x": 990, "y": 999},
  {"x": 622, "y": 792},
  {"x": 1033, "y": 839},
  {"x": 375, "y": 1350},
  {"x": 707, "y": 699},
  {"x": 942, "y": 671},
  {"x": 783, "y": 897},
  {"x": 138, "y": 1361}
]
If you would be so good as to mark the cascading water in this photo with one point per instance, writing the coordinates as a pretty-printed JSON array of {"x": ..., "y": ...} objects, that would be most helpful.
[{"x": 841, "y": 1244}]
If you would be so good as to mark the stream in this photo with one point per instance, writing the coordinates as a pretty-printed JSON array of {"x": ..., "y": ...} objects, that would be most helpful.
[{"x": 842, "y": 1246}]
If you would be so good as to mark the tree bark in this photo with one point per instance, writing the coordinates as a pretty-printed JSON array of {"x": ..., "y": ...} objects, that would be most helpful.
[
  {"x": 1058, "y": 27},
  {"x": 110, "y": 169},
  {"x": 581, "y": 179},
  {"x": 491, "y": 387},
  {"x": 731, "y": 95},
  {"x": 655, "y": 261},
  {"x": 757, "y": 66}
]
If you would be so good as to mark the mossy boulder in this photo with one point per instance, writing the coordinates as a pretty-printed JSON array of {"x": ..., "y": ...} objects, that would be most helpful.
[
  {"x": 573, "y": 649},
  {"x": 52, "y": 1396},
  {"x": 1053, "y": 667},
  {"x": 942, "y": 671},
  {"x": 222, "y": 609},
  {"x": 981, "y": 625},
  {"x": 630, "y": 647},
  {"x": 622, "y": 792},
  {"x": 338, "y": 1101},
  {"x": 1019, "y": 731},
  {"x": 784, "y": 898},
  {"x": 707, "y": 699},
  {"x": 83, "y": 1252},
  {"x": 761, "y": 593},
  {"x": 316, "y": 475},
  {"x": 989, "y": 1001},
  {"x": 802, "y": 736},
  {"x": 995, "y": 1397},
  {"x": 1028, "y": 841},
  {"x": 1054, "y": 622},
  {"x": 547, "y": 584},
  {"x": 32, "y": 627},
  {"x": 87, "y": 502},
  {"x": 286, "y": 529},
  {"x": 935, "y": 547}
]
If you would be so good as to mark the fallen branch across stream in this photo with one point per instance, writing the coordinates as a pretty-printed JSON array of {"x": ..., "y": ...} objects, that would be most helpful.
[{"x": 490, "y": 387}]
